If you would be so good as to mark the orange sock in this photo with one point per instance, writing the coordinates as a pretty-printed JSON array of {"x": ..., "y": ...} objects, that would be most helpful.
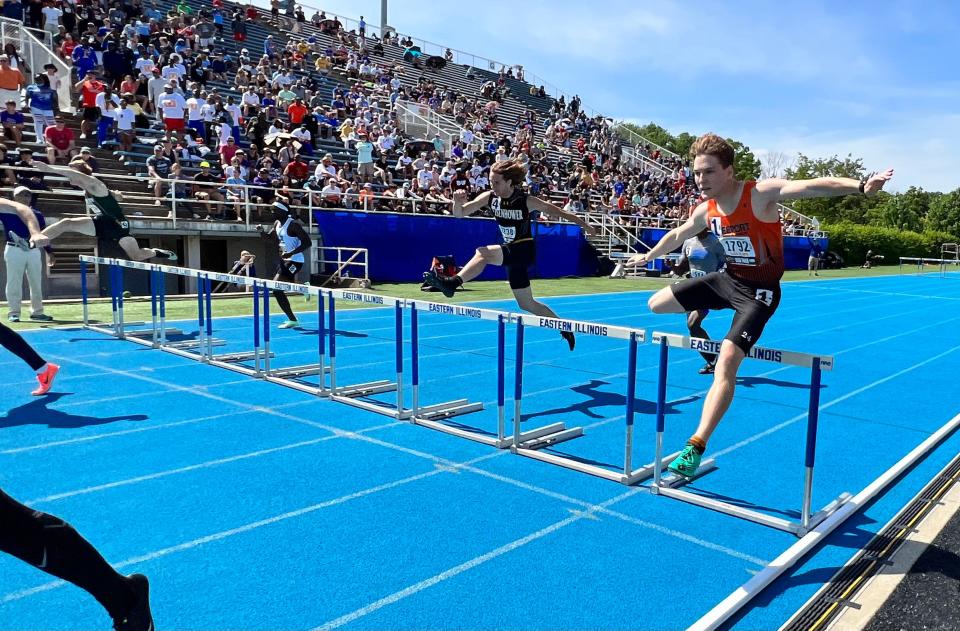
[{"x": 698, "y": 443}]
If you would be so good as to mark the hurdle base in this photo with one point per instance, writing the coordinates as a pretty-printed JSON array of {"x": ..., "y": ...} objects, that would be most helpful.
[
  {"x": 448, "y": 409},
  {"x": 778, "y": 523},
  {"x": 190, "y": 344},
  {"x": 351, "y": 396},
  {"x": 817, "y": 518},
  {"x": 633, "y": 477},
  {"x": 237, "y": 357},
  {"x": 294, "y": 372},
  {"x": 365, "y": 389},
  {"x": 150, "y": 332}
]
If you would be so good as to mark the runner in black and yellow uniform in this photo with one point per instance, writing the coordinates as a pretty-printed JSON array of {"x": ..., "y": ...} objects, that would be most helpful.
[
  {"x": 512, "y": 208},
  {"x": 109, "y": 224}
]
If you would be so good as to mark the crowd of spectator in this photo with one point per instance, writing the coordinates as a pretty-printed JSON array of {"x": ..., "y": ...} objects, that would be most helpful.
[{"x": 136, "y": 66}]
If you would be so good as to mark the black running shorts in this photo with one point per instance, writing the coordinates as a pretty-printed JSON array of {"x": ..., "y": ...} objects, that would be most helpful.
[
  {"x": 754, "y": 305},
  {"x": 287, "y": 270},
  {"x": 518, "y": 257},
  {"x": 109, "y": 229},
  {"x": 91, "y": 114}
]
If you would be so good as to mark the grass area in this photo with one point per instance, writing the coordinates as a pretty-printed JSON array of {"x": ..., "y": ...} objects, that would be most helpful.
[{"x": 70, "y": 313}]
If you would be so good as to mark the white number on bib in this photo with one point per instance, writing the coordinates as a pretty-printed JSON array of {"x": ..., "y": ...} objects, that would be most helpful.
[
  {"x": 509, "y": 233},
  {"x": 739, "y": 250},
  {"x": 697, "y": 273}
]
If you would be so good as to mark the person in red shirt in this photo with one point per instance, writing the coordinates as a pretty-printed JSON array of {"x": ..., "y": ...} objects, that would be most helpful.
[
  {"x": 297, "y": 172},
  {"x": 744, "y": 216},
  {"x": 252, "y": 13},
  {"x": 66, "y": 48},
  {"x": 228, "y": 150},
  {"x": 296, "y": 111},
  {"x": 60, "y": 142},
  {"x": 89, "y": 88}
]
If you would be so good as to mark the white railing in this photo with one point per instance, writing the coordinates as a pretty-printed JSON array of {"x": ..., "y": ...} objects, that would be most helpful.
[
  {"x": 634, "y": 139},
  {"x": 419, "y": 121},
  {"x": 344, "y": 259},
  {"x": 36, "y": 50}
]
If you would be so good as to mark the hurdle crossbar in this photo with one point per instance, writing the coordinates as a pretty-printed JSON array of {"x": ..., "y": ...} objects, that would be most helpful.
[
  {"x": 433, "y": 416},
  {"x": 668, "y": 486},
  {"x": 531, "y": 442},
  {"x": 357, "y": 395}
]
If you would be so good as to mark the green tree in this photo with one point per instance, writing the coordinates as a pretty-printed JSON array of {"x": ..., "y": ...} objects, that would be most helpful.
[
  {"x": 904, "y": 211},
  {"x": 746, "y": 165},
  {"x": 944, "y": 213},
  {"x": 831, "y": 209},
  {"x": 681, "y": 144},
  {"x": 653, "y": 133}
]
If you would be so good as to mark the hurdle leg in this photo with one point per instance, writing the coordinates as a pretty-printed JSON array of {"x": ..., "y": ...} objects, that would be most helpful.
[
  {"x": 120, "y": 331},
  {"x": 155, "y": 337},
  {"x": 256, "y": 329},
  {"x": 162, "y": 300},
  {"x": 83, "y": 294},
  {"x": 517, "y": 386},
  {"x": 432, "y": 416},
  {"x": 809, "y": 521},
  {"x": 661, "y": 461},
  {"x": 208, "y": 290},
  {"x": 332, "y": 333},
  {"x": 266, "y": 330},
  {"x": 415, "y": 359},
  {"x": 501, "y": 379},
  {"x": 631, "y": 393},
  {"x": 526, "y": 443},
  {"x": 321, "y": 346},
  {"x": 398, "y": 344}
]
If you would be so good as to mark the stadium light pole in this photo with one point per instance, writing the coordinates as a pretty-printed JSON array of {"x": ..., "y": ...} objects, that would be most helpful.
[{"x": 383, "y": 17}]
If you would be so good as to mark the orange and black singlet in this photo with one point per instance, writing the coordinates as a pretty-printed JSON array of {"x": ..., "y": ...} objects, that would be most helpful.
[{"x": 754, "y": 248}]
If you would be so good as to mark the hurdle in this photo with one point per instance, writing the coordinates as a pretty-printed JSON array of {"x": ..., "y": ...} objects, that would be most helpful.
[
  {"x": 290, "y": 376},
  {"x": 531, "y": 442},
  {"x": 356, "y": 394},
  {"x": 232, "y": 361},
  {"x": 668, "y": 486},
  {"x": 118, "y": 326},
  {"x": 432, "y": 416}
]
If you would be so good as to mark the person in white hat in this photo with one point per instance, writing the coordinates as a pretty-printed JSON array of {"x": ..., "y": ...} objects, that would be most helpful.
[{"x": 22, "y": 259}]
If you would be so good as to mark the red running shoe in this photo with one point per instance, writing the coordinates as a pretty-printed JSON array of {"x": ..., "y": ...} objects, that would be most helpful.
[{"x": 46, "y": 379}]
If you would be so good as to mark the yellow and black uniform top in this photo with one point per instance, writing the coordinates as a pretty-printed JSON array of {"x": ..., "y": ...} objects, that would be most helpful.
[{"x": 513, "y": 217}]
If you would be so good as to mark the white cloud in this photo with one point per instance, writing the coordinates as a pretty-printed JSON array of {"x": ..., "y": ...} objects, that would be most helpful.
[{"x": 922, "y": 152}]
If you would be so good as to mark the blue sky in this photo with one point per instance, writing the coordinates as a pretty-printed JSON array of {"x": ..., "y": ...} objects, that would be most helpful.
[{"x": 874, "y": 79}]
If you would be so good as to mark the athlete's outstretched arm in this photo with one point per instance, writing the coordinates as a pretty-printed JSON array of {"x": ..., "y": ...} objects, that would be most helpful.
[
  {"x": 535, "y": 203},
  {"x": 779, "y": 189},
  {"x": 461, "y": 209},
  {"x": 672, "y": 240},
  {"x": 88, "y": 183}
]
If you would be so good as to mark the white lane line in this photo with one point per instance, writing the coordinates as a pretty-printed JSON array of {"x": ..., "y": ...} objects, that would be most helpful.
[
  {"x": 202, "y": 465},
  {"x": 472, "y": 563}
]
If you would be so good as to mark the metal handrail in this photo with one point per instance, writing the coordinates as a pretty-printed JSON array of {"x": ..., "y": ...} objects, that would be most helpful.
[
  {"x": 32, "y": 44},
  {"x": 407, "y": 110}
]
